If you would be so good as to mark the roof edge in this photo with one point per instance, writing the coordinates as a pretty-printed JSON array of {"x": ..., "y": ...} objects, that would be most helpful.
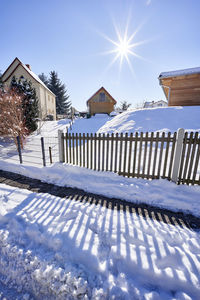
[
  {"x": 101, "y": 88},
  {"x": 181, "y": 72},
  {"x": 16, "y": 58},
  {"x": 26, "y": 69}
]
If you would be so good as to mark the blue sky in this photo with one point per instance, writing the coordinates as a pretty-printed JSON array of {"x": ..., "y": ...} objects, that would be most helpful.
[{"x": 69, "y": 37}]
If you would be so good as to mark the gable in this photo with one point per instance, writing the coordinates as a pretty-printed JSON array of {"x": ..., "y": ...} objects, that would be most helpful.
[
  {"x": 20, "y": 72},
  {"x": 101, "y": 96},
  {"x": 11, "y": 68},
  {"x": 19, "y": 69}
]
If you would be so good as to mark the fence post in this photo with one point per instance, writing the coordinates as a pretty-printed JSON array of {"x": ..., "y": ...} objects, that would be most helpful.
[
  {"x": 177, "y": 155},
  {"x": 19, "y": 149},
  {"x": 43, "y": 152},
  {"x": 50, "y": 155},
  {"x": 61, "y": 146}
]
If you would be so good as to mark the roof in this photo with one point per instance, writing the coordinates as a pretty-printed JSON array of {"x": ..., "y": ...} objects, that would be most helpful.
[
  {"x": 183, "y": 72},
  {"x": 33, "y": 75},
  {"x": 106, "y": 92},
  {"x": 160, "y": 101}
]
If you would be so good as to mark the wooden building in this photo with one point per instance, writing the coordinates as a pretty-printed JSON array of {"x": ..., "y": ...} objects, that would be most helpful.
[
  {"x": 101, "y": 102},
  {"x": 181, "y": 87}
]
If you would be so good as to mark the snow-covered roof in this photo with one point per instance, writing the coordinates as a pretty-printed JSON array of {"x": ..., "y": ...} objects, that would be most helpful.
[
  {"x": 36, "y": 77},
  {"x": 33, "y": 75},
  {"x": 180, "y": 72}
]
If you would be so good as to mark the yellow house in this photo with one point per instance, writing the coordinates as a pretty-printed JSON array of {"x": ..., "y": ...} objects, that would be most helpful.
[
  {"x": 101, "y": 102},
  {"x": 181, "y": 87},
  {"x": 46, "y": 99}
]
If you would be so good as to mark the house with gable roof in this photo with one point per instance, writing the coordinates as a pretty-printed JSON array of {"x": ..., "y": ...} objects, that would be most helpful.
[
  {"x": 46, "y": 98},
  {"x": 101, "y": 102}
]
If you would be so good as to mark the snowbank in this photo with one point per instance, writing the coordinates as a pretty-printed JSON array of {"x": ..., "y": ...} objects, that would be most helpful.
[
  {"x": 90, "y": 125},
  {"x": 155, "y": 119},
  {"x": 58, "y": 248},
  {"x": 160, "y": 193},
  {"x": 50, "y": 128}
]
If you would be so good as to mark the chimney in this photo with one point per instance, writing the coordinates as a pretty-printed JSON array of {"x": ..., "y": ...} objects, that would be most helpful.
[{"x": 28, "y": 66}]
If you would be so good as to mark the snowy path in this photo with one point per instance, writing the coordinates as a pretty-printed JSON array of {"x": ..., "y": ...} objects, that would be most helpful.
[
  {"x": 62, "y": 248},
  {"x": 160, "y": 214}
]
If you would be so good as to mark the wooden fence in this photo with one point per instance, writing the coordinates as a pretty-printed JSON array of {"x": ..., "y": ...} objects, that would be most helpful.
[{"x": 144, "y": 155}]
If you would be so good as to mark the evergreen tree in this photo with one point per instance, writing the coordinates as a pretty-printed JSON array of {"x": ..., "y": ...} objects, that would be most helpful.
[
  {"x": 29, "y": 102},
  {"x": 124, "y": 105},
  {"x": 63, "y": 105},
  {"x": 44, "y": 79}
]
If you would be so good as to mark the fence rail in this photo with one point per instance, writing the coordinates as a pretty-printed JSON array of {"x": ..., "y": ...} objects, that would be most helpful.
[{"x": 144, "y": 155}]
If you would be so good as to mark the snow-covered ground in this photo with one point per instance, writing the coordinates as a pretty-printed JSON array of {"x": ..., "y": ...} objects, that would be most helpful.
[
  {"x": 164, "y": 119},
  {"x": 53, "y": 248},
  {"x": 32, "y": 154},
  {"x": 160, "y": 193},
  {"x": 153, "y": 119},
  {"x": 90, "y": 125},
  {"x": 57, "y": 248},
  {"x": 50, "y": 128}
]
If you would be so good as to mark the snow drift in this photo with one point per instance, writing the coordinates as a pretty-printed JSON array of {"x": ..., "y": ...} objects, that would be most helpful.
[{"x": 165, "y": 119}]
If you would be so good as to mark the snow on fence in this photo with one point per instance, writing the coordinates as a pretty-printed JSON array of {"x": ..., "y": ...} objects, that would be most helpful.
[{"x": 145, "y": 155}]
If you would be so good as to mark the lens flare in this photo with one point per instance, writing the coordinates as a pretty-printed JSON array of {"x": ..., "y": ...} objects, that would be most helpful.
[{"x": 124, "y": 47}]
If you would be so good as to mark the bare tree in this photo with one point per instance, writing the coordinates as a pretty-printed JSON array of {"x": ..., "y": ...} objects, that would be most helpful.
[{"x": 11, "y": 114}]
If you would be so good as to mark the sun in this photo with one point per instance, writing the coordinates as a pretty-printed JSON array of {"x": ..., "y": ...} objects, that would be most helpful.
[{"x": 124, "y": 48}]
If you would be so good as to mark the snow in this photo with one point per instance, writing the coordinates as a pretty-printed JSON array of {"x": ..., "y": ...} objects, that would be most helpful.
[
  {"x": 164, "y": 119},
  {"x": 36, "y": 77},
  {"x": 159, "y": 193},
  {"x": 180, "y": 72},
  {"x": 90, "y": 125},
  {"x": 148, "y": 119},
  {"x": 50, "y": 128},
  {"x": 61, "y": 248},
  {"x": 58, "y": 248}
]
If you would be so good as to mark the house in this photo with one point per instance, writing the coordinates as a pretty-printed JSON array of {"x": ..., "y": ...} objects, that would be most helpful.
[
  {"x": 181, "y": 87},
  {"x": 159, "y": 103},
  {"x": 101, "y": 102},
  {"x": 46, "y": 99}
]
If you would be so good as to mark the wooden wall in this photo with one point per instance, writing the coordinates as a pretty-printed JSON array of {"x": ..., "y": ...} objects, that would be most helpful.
[
  {"x": 101, "y": 107},
  {"x": 184, "y": 90},
  {"x": 95, "y": 106}
]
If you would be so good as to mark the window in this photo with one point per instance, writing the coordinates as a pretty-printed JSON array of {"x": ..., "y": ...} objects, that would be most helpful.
[{"x": 102, "y": 97}]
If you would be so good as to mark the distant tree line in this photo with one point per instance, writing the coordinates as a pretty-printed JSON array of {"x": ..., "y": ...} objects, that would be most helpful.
[{"x": 63, "y": 105}]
